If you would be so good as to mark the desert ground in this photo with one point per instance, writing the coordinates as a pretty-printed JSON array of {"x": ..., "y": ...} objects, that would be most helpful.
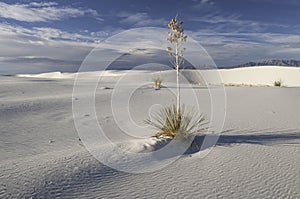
[{"x": 256, "y": 156}]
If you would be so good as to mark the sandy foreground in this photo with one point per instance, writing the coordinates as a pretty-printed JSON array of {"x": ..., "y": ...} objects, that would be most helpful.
[{"x": 42, "y": 156}]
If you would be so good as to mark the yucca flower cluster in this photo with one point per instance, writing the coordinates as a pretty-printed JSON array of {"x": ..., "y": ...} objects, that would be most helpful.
[{"x": 176, "y": 36}]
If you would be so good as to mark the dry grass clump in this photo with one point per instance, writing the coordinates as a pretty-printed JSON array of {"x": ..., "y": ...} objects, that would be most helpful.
[
  {"x": 157, "y": 83},
  {"x": 278, "y": 83},
  {"x": 185, "y": 123}
]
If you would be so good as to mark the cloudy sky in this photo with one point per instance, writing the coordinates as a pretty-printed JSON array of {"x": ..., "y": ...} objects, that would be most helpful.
[{"x": 40, "y": 36}]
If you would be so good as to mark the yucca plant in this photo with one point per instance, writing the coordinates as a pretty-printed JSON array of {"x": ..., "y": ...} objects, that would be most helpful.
[
  {"x": 184, "y": 124},
  {"x": 175, "y": 120}
]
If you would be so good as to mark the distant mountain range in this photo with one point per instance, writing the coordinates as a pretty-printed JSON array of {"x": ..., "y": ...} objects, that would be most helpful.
[
  {"x": 142, "y": 57},
  {"x": 157, "y": 59},
  {"x": 274, "y": 62}
]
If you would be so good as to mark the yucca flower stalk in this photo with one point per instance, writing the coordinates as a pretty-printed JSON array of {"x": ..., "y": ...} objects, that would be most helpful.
[{"x": 177, "y": 38}]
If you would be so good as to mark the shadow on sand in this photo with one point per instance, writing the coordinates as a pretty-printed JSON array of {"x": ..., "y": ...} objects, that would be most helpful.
[{"x": 286, "y": 137}]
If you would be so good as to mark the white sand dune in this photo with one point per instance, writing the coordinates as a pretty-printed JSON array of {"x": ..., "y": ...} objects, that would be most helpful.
[
  {"x": 256, "y": 76},
  {"x": 261, "y": 75},
  {"x": 49, "y": 75},
  {"x": 257, "y": 155}
]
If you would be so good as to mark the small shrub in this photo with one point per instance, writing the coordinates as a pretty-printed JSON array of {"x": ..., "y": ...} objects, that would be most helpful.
[
  {"x": 157, "y": 83},
  {"x": 278, "y": 83},
  {"x": 184, "y": 124}
]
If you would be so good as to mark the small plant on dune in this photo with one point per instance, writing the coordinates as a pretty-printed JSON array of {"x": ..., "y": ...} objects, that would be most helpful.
[
  {"x": 185, "y": 123},
  {"x": 157, "y": 83},
  {"x": 278, "y": 83},
  {"x": 175, "y": 120}
]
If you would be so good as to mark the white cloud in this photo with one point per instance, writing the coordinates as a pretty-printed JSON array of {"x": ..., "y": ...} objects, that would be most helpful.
[
  {"x": 44, "y": 34},
  {"x": 206, "y": 2},
  {"x": 203, "y": 5},
  {"x": 233, "y": 23},
  {"x": 42, "y": 49},
  {"x": 229, "y": 49},
  {"x": 43, "y": 4},
  {"x": 140, "y": 19},
  {"x": 42, "y": 12}
]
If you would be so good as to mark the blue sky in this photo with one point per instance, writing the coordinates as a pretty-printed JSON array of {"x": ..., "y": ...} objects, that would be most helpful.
[{"x": 40, "y": 36}]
